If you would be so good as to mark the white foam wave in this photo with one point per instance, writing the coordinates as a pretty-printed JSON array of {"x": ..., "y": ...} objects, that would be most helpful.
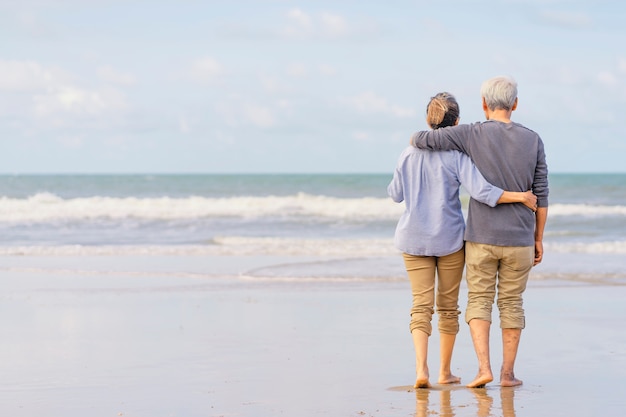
[
  {"x": 258, "y": 246},
  {"x": 611, "y": 247},
  {"x": 317, "y": 247},
  {"x": 587, "y": 210},
  {"x": 45, "y": 207},
  {"x": 222, "y": 246}
]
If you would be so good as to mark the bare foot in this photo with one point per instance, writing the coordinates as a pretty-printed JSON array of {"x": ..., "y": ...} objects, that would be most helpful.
[
  {"x": 507, "y": 379},
  {"x": 422, "y": 382},
  {"x": 481, "y": 380},
  {"x": 448, "y": 379},
  {"x": 422, "y": 377}
]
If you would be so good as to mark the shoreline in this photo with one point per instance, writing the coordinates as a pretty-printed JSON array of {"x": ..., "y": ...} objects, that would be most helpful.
[
  {"x": 557, "y": 268},
  {"x": 103, "y": 344}
]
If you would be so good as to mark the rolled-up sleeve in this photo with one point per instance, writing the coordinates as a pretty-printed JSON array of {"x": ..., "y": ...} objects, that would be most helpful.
[{"x": 540, "y": 180}]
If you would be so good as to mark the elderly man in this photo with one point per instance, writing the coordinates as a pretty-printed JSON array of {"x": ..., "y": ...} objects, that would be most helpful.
[{"x": 503, "y": 243}]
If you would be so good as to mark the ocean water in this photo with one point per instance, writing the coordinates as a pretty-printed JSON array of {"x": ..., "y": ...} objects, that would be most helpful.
[{"x": 342, "y": 225}]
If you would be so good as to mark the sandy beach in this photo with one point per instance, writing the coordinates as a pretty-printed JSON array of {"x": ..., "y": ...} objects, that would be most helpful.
[{"x": 157, "y": 336}]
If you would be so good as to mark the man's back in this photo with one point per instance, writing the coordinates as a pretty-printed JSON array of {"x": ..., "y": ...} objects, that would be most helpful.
[{"x": 509, "y": 156}]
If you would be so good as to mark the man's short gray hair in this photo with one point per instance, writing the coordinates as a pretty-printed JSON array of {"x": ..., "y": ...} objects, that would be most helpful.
[{"x": 499, "y": 92}]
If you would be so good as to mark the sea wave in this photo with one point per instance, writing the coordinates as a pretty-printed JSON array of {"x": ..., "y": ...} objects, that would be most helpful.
[
  {"x": 221, "y": 246},
  {"x": 44, "y": 207},
  {"x": 587, "y": 210},
  {"x": 609, "y": 247},
  {"x": 257, "y": 246}
]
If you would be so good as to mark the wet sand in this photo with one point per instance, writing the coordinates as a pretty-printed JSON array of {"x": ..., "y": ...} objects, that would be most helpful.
[{"x": 105, "y": 337}]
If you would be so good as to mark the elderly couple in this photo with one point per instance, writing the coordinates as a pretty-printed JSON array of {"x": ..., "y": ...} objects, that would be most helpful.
[{"x": 503, "y": 239}]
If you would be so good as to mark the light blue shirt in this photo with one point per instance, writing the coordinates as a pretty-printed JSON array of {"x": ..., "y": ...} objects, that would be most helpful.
[{"x": 428, "y": 182}]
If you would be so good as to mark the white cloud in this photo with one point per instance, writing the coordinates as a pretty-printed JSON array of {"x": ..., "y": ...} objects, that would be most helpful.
[
  {"x": 567, "y": 75},
  {"x": 333, "y": 25},
  {"x": 322, "y": 25},
  {"x": 206, "y": 69},
  {"x": 274, "y": 85},
  {"x": 297, "y": 70},
  {"x": 327, "y": 70},
  {"x": 260, "y": 116},
  {"x": 575, "y": 20},
  {"x": 111, "y": 75},
  {"x": 300, "y": 23},
  {"x": 29, "y": 20},
  {"x": 284, "y": 103},
  {"x": 607, "y": 78},
  {"x": 369, "y": 102},
  {"x": 622, "y": 65},
  {"x": 28, "y": 76},
  {"x": 44, "y": 97},
  {"x": 70, "y": 100},
  {"x": 73, "y": 142},
  {"x": 236, "y": 113},
  {"x": 183, "y": 125}
]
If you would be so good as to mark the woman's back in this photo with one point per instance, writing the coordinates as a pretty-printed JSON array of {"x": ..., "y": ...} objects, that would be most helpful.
[{"x": 428, "y": 183}]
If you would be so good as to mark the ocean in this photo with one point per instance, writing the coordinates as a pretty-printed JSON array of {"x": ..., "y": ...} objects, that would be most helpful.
[{"x": 319, "y": 226}]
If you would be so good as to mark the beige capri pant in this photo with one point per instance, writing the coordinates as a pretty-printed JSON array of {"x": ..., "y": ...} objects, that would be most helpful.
[
  {"x": 501, "y": 268},
  {"x": 421, "y": 271}
]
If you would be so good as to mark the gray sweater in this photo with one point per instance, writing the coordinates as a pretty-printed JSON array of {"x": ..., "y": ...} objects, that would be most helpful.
[{"x": 509, "y": 156}]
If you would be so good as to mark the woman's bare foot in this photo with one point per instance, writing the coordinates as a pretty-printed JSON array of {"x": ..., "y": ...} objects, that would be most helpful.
[
  {"x": 481, "y": 380},
  {"x": 507, "y": 379},
  {"x": 423, "y": 376},
  {"x": 422, "y": 383},
  {"x": 448, "y": 378},
  {"x": 422, "y": 379}
]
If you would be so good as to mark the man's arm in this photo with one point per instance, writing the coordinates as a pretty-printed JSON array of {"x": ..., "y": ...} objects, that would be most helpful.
[
  {"x": 541, "y": 216},
  {"x": 443, "y": 139},
  {"x": 540, "y": 178},
  {"x": 541, "y": 189}
]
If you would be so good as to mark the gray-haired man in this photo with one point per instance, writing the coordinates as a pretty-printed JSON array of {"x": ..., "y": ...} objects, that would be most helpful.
[{"x": 504, "y": 242}]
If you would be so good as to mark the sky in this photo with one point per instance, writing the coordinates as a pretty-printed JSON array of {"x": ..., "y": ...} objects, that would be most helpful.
[{"x": 164, "y": 86}]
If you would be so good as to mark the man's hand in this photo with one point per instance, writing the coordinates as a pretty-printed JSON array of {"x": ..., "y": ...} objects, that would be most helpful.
[
  {"x": 541, "y": 215},
  {"x": 538, "y": 252},
  {"x": 526, "y": 198},
  {"x": 529, "y": 200}
]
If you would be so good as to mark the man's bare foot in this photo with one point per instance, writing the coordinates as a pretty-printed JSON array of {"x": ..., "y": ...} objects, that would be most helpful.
[
  {"x": 507, "y": 379},
  {"x": 481, "y": 380},
  {"x": 448, "y": 379}
]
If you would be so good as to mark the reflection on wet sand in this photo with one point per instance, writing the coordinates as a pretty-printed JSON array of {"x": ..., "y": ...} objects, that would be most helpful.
[
  {"x": 483, "y": 406},
  {"x": 484, "y": 402},
  {"x": 507, "y": 399}
]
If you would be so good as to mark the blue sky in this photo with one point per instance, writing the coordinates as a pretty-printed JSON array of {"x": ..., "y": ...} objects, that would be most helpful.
[{"x": 296, "y": 86}]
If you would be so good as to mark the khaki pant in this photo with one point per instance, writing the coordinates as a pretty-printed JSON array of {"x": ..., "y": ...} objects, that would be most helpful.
[
  {"x": 501, "y": 268},
  {"x": 421, "y": 271}
]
